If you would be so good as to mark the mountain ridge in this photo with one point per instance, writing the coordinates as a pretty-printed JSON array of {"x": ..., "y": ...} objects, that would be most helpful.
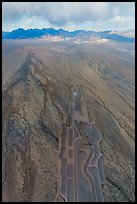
[
  {"x": 21, "y": 33},
  {"x": 36, "y": 101}
]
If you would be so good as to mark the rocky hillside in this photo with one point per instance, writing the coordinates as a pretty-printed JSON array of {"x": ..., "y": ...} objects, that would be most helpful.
[{"x": 35, "y": 102}]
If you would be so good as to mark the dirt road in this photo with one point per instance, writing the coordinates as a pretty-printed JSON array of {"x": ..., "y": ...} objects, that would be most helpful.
[{"x": 81, "y": 161}]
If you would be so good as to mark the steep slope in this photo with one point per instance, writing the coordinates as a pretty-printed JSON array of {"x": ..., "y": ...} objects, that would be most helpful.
[
  {"x": 27, "y": 139},
  {"x": 35, "y": 103}
]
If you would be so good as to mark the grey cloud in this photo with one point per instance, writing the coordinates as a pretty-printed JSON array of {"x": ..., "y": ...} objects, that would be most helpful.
[{"x": 61, "y": 13}]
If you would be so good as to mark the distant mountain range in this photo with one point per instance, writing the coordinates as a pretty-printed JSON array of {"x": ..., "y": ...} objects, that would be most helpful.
[
  {"x": 21, "y": 33},
  {"x": 128, "y": 33}
]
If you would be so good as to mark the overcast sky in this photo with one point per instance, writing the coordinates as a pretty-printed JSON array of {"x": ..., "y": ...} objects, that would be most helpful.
[{"x": 68, "y": 15}]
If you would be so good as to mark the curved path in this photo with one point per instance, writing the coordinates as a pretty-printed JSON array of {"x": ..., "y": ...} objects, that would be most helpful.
[{"x": 81, "y": 162}]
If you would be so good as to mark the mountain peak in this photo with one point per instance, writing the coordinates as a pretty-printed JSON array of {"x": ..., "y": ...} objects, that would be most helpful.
[{"x": 21, "y": 33}]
